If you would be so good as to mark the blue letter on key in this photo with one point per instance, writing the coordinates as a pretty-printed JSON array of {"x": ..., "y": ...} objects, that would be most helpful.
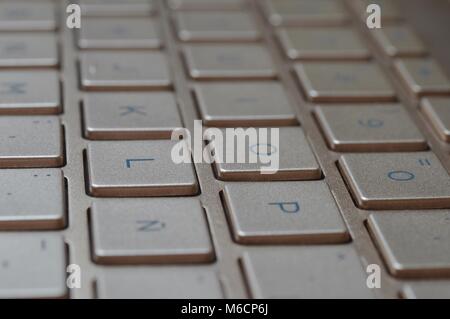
[
  {"x": 401, "y": 176},
  {"x": 288, "y": 207}
]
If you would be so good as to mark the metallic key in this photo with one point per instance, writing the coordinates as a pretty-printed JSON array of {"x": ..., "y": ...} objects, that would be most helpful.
[
  {"x": 399, "y": 41},
  {"x": 31, "y": 141},
  {"x": 122, "y": 116},
  {"x": 199, "y": 282},
  {"x": 206, "y": 62},
  {"x": 32, "y": 199},
  {"x": 423, "y": 76},
  {"x": 116, "y": 8},
  {"x": 369, "y": 128},
  {"x": 28, "y": 50},
  {"x": 27, "y": 16},
  {"x": 206, "y": 4},
  {"x": 124, "y": 71},
  {"x": 413, "y": 244},
  {"x": 437, "y": 110},
  {"x": 119, "y": 33},
  {"x": 305, "y": 12},
  {"x": 344, "y": 82},
  {"x": 32, "y": 265},
  {"x": 150, "y": 231},
  {"x": 323, "y": 44},
  {"x": 284, "y": 213},
  {"x": 136, "y": 169},
  {"x": 427, "y": 290},
  {"x": 24, "y": 92},
  {"x": 296, "y": 160},
  {"x": 390, "y": 11},
  {"x": 216, "y": 26},
  {"x": 397, "y": 180},
  {"x": 306, "y": 272},
  {"x": 245, "y": 104}
]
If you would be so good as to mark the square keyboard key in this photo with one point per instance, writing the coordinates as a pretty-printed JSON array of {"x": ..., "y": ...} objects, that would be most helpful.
[
  {"x": 245, "y": 104},
  {"x": 369, "y": 128},
  {"x": 159, "y": 282},
  {"x": 414, "y": 244},
  {"x": 138, "y": 169},
  {"x": 32, "y": 199},
  {"x": 208, "y": 5},
  {"x": 209, "y": 62},
  {"x": 123, "y": 116},
  {"x": 323, "y": 44},
  {"x": 31, "y": 141},
  {"x": 399, "y": 41},
  {"x": 344, "y": 82},
  {"x": 124, "y": 71},
  {"x": 27, "y": 16},
  {"x": 397, "y": 180},
  {"x": 25, "y": 92},
  {"x": 305, "y": 12},
  {"x": 150, "y": 231},
  {"x": 116, "y": 8},
  {"x": 308, "y": 272},
  {"x": 28, "y": 50},
  {"x": 296, "y": 161},
  {"x": 284, "y": 213},
  {"x": 32, "y": 265},
  {"x": 216, "y": 27},
  {"x": 437, "y": 110},
  {"x": 119, "y": 33},
  {"x": 423, "y": 76}
]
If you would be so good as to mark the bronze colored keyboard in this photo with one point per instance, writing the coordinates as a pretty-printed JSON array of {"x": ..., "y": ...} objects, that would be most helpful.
[{"x": 86, "y": 176}]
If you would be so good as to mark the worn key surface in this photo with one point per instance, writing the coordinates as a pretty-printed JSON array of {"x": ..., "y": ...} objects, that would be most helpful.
[
  {"x": 119, "y": 33},
  {"x": 244, "y": 104},
  {"x": 208, "y": 5},
  {"x": 305, "y": 12},
  {"x": 150, "y": 231},
  {"x": 414, "y": 244},
  {"x": 24, "y": 92},
  {"x": 323, "y": 43},
  {"x": 124, "y": 71},
  {"x": 284, "y": 213},
  {"x": 137, "y": 169},
  {"x": 28, "y": 50},
  {"x": 27, "y": 16},
  {"x": 344, "y": 82},
  {"x": 117, "y": 8},
  {"x": 369, "y": 128},
  {"x": 216, "y": 27},
  {"x": 226, "y": 62},
  {"x": 399, "y": 41},
  {"x": 168, "y": 282},
  {"x": 32, "y": 199},
  {"x": 123, "y": 116},
  {"x": 396, "y": 180},
  {"x": 306, "y": 272},
  {"x": 31, "y": 141},
  {"x": 32, "y": 265}
]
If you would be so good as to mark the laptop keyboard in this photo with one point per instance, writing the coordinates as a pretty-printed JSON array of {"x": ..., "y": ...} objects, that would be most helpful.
[{"x": 87, "y": 179}]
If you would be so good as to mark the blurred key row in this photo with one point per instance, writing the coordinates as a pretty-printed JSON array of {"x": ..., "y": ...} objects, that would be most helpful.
[{"x": 404, "y": 239}]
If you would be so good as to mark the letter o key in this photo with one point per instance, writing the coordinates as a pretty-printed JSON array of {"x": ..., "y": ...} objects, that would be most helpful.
[{"x": 401, "y": 176}]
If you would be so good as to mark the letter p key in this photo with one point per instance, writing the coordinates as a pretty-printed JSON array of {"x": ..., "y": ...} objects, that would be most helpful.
[{"x": 287, "y": 207}]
